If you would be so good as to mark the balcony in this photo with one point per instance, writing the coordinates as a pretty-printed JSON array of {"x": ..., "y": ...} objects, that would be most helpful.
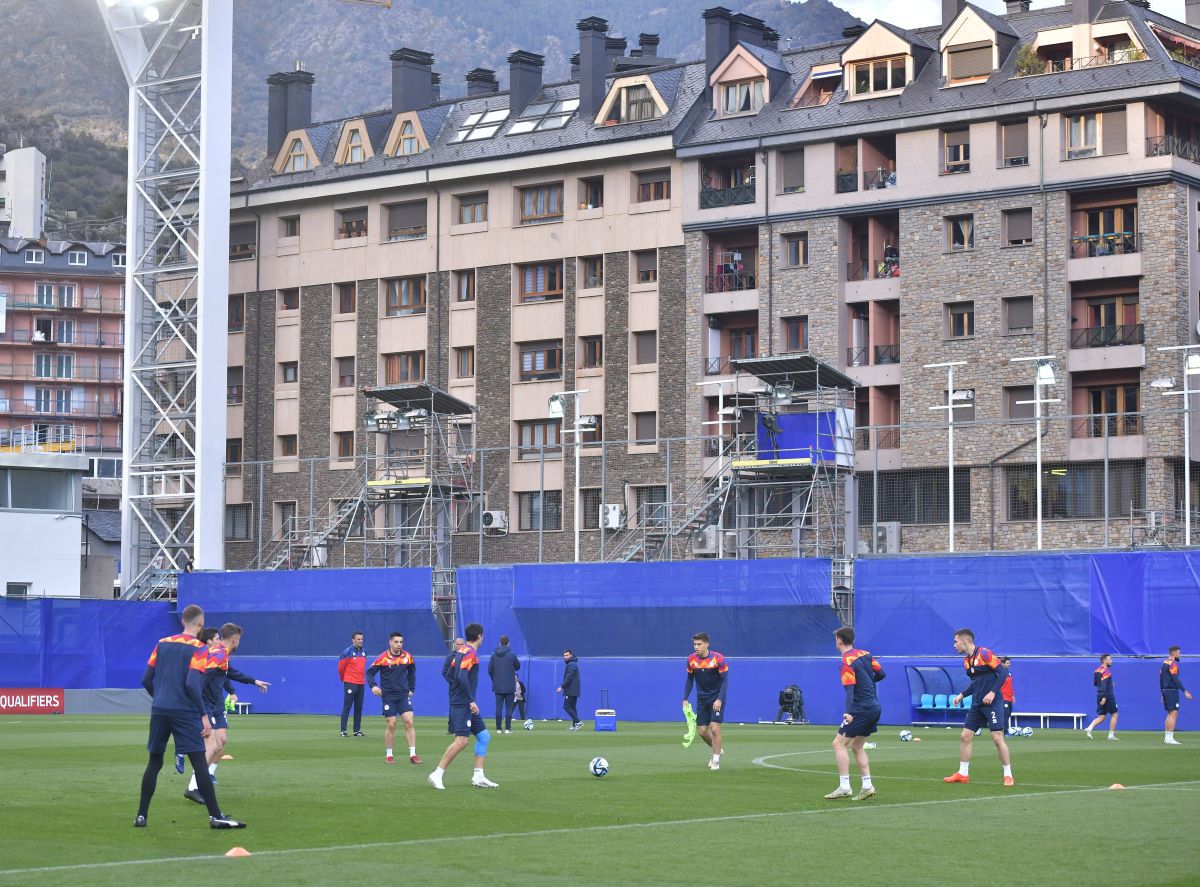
[
  {"x": 414, "y": 232},
  {"x": 718, "y": 366},
  {"x": 239, "y": 251},
  {"x": 857, "y": 356},
  {"x": 879, "y": 178},
  {"x": 77, "y": 372},
  {"x": 714, "y": 198},
  {"x": 91, "y": 408},
  {"x": 1105, "y": 256},
  {"x": 730, "y": 282},
  {"x": 868, "y": 269},
  {"x": 1108, "y": 336},
  {"x": 846, "y": 181},
  {"x": 886, "y": 437},
  {"x": 1162, "y": 146},
  {"x": 75, "y": 304},
  {"x": 233, "y": 395},
  {"x": 351, "y": 228},
  {"x": 886, "y": 354},
  {"x": 1115, "y": 243},
  {"x": 1060, "y": 65},
  {"x": 1107, "y": 425}
]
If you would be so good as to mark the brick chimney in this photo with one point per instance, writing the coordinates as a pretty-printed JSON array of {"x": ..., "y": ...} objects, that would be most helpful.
[
  {"x": 412, "y": 80},
  {"x": 289, "y": 105},
  {"x": 524, "y": 79},
  {"x": 592, "y": 64},
  {"x": 481, "y": 81}
]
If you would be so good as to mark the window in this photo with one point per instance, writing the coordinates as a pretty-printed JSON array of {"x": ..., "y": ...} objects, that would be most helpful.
[
  {"x": 795, "y": 250},
  {"x": 541, "y": 360},
  {"x": 351, "y": 223},
  {"x": 237, "y": 313},
  {"x": 343, "y": 444},
  {"x": 591, "y": 193},
  {"x": 591, "y": 352},
  {"x": 590, "y": 500},
  {"x": 880, "y": 75},
  {"x": 289, "y": 371},
  {"x": 285, "y": 518},
  {"x": 795, "y": 334},
  {"x": 542, "y": 116},
  {"x": 969, "y": 62},
  {"x": 405, "y": 367},
  {"x": 540, "y": 282},
  {"x": 464, "y": 285},
  {"x": 35, "y": 256},
  {"x": 541, "y": 204},
  {"x": 538, "y": 437},
  {"x": 645, "y": 347},
  {"x": 64, "y": 332},
  {"x": 650, "y": 503},
  {"x": 233, "y": 457},
  {"x": 43, "y": 366},
  {"x": 354, "y": 147},
  {"x": 41, "y": 400},
  {"x": 653, "y": 185},
  {"x": 408, "y": 144},
  {"x": 344, "y": 368},
  {"x": 1018, "y": 315},
  {"x": 743, "y": 97},
  {"x": 289, "y": 226},
  {"x": 791, "y": 171},
  {"x": 66, "y": 295},
  {"x": 539, "y": 511},
  {"x": 591, "y": 275},
  {"x": 956, "y": 151},
  {"x": 1081, "y": 135},
  {"x": 634, "y": 104},
  {"x": 1076, "y": 490},
  {"x": 645, "y": 428},
  {"x": 595, "y": 435},
  {"x": 243, "y": 239},
  {"x": 468, "y": 509},
  {"x": 118, "y": 260},
  {"x": 964, "y": 404},
  {"x": 64, "y": 366},
  {"x": 17, "y": 589},
  {"x": 464, "y": 363},
  {"x": 909, "y": 497},
  {"x": 77, "y": 257},
  {"x": 479, "y": 125},
  {"x": 960, "y": 320},
  {"x": 472, "y": 208},
  {"x": 407, "y": 221},
  {"x": 1014, "y": 143},
  {"x": 960, "y": 233},
  {"x": 346, "y": 297},
  {"x": 237, "y": 523},
  {"x": 234, "y": 377},
  {"x": 404, "y": 295},
  {"x": 43, "y": 294},
  {"x": 289, "y": 299},
  {"x": 1018, "y": 227},
  {"x": 288, "y": 445},
  {"x": 646, "y": 266},
  {"x": 296, "y": 159}
]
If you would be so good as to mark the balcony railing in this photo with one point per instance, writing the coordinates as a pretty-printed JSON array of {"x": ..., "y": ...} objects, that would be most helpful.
[
  {"x": 1103, "y": 336},
  {"x": 1106, "y": 425},
  {"x": 85, "y": 407},
  {"x": 239, "y": 251},
  {"x": 887, "y": 437},
  {"x": 857, "y": 356},
  {"x": 1058, "y": 66},
  {"x": 354, "y": 228},
  {"x": 814, "y": 99},
  {"x": 1161, "y": 146},
  {"x": 712, "y": 198},
  {"x": 730, "y": 282},
  {"x": 887, "y": 354},
  {"x": 879, "y": 178},
  {"x": 1115, "y": 243},
  {"x": 74, "y": 304},
  {"x": 718, "y": 366},
  {"x": 91, "y": 338},
  {"x": 414, "y": 232},
  {"x": 79, "y": 372},
  {"x": 846, "y": 181},
  {"x": 868, "y": 269}
]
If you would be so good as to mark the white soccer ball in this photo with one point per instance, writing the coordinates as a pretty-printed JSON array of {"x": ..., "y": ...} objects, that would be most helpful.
[
  {"x": 1014, "y": 731},
  {"x": 1026, "y": 731},
  {"x": 906, "y": 735},
  {"x": 598, "y": 767},
  {"x": 528, "y": 725}
]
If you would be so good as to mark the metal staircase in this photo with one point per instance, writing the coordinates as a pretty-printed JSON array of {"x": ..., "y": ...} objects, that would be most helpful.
[{"x": 304, "y": 544}]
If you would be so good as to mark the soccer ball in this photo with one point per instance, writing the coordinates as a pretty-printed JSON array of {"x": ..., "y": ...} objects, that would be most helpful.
[
  {"x": 1014, "y": 731},
  {"x": 528, "y": 725},
  {"x": 598, "y": 767},
  {"x": 906, "y": 735},
  {"x": 1027, "y": 731}
]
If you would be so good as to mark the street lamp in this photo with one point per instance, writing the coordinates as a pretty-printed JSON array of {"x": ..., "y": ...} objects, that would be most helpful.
[
  {"x": 950, "y": 406},
  {"x": 556, "y": 408},
  {"x": 1043, "y": 375},
  {"x": 1191, "y": 367}
]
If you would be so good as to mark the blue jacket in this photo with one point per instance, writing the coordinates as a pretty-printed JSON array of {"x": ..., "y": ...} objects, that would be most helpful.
[
  {"x": 570, "y": 679},
  {"x": 502, "y": 669}
]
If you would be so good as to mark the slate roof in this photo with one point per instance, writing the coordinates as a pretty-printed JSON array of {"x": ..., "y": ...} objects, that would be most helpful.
[
  {"x": 58, "y": 247},
  {"x": 104, "y": 523},
  {"x": 769, "y": 57},
  {"x": 993, "y": 21}
]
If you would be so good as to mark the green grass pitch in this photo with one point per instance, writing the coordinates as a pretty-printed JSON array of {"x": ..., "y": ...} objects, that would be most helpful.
[{"x": 324, "y": 810}]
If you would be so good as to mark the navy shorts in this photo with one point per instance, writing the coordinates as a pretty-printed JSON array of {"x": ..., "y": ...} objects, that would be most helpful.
[
  {"x": 218, "y": 718},
  {"x": 463, "y": 723},
  {"x": 1170, "y": 700},
  {"x": 705, "y": 714},
  {"x": 864, "y": 724},
  {"x": 393, "y": 706},
  {"x": 1108, "y": 707},
  {"x": 184, "y": 726},
  {"x": 990, "y": 716}
]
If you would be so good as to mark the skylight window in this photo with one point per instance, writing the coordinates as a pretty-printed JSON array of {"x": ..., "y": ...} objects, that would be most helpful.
[
  {"x": 543, "y": 116},
  {"x": 480, "y": 125}
]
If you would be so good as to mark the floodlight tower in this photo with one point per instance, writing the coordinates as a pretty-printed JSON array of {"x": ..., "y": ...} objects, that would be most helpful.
[{"x": 177, "y": 56}]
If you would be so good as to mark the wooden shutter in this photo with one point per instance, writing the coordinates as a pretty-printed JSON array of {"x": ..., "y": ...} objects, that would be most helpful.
[
  {"x": 973, "y": 61},
  {"x": 1113, "y": 131}
]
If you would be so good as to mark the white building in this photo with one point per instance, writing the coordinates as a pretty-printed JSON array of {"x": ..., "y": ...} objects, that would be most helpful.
[{"x": 24, "y": 192}]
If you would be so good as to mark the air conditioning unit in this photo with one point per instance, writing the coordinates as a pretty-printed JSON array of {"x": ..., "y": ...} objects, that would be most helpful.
[
  {"x": 887, "y": 537},
  {"x": 706, "y": 542},
  {"x": 495, "y": 520},
  {"x": 612, "y": 517}
]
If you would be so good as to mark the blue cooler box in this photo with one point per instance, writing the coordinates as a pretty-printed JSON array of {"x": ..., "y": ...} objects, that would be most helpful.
[{"x": 606, "y": 720}]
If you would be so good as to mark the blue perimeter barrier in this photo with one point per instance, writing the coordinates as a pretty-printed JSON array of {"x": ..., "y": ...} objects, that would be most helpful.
[{"x": 631, "y": 625}]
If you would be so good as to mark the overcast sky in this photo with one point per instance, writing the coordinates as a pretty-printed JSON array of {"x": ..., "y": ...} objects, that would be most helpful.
[{"x": 923, "y": 13}]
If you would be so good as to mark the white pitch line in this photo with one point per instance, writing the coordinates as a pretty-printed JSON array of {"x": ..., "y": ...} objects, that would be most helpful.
[
  {"x": 858, "y": 810},
  {"x": 762, "y": 762}
]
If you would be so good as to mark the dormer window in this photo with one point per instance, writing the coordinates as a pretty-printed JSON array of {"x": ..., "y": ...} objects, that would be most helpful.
[
  {"x": 354, "y": 150},
  {"x": 971, "y": 62},
  {"x": 880, "y": 75},
  {"x": 743, "y": 97},
  {"x": 635, "y": 103},
  {"x": 408, "y": 140},
  {"x": 297, "y": 157}
]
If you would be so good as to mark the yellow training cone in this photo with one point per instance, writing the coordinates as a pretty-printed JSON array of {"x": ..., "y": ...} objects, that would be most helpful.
[
  {"x": 238, "y": 851},
  {"x": 226, "y": 757}
]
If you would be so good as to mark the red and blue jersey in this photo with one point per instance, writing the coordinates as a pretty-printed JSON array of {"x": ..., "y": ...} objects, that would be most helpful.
[
  {"x": 1168, "y": 675},
  {"x": 710, "y": 674},
  {"x": 465, "y": 673},
  {"x": 987, "y": 674},
  {"x": 1006, "y": 690},
  {"x": 174, "y": 674},
  {"x": 352, "y": 665},
  {"x": 1103, "y": 681},
  {"x": 860, "y": 671},
  {"x": 216, "y": 676},
  {"x": 397, "y": 674}
]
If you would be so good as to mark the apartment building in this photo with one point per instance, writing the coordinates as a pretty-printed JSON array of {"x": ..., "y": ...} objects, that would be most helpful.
[
  {"x": 987, "y": 188},
  {"x": 24, "y": 192}
]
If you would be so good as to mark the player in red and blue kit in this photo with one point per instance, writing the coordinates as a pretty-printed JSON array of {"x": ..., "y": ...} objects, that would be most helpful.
[
  {"x": 1106, "y": 698},
  {"x": 397, "y": 672},
  {"x": 860, "y": 672},
  {"x": 709, "y": 671},
  {"x": 987, "y": 674},
  {"x": 465, "y": 717},
  {"x": 352, "y": 669},
  {"x": 174, "y": 678},
  {"x": 1171, "y": 686}
]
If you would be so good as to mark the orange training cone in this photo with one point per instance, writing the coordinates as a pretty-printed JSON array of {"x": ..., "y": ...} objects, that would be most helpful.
[
  {"x": 1115, "y": 785},
  {"x": 226, "y": 757},
  {"x": 238, "y": 851}
]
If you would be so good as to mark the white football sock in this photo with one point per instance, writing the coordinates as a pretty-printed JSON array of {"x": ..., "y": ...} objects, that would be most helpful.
[
  {"x": 212, "y": 769},
  {"x": 192, "y": 786},
  {"x": 844, "y": 781},
  {"x": 866, "y": 779},
  {"x": 412, "y": 751},
  {"x": 1007, "y": 769},
  {"x": 964, "y": 768}
]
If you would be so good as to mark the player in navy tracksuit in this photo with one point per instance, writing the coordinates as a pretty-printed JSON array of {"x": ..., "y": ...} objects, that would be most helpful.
[
  {"x": 570, "y": 689},
  {"x": 465, "y": 717},
  {"x": 1106, "y": 698},
  {"x": 1171, "y": 686},
  {"x": 709, "y": 671},
  {"x": 987, "y": 674},
  {"x": 859, "y": 671},
  {"x": 397, "y": 672},
  {"x": 352, "y": 667},
  {"x": 174, "y": 678}
]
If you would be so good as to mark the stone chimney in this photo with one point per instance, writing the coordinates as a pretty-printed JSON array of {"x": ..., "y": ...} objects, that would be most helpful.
[
  {"x": 1083, "y": 12},
  {"x": 481, "y": 81},
  {"x": 524, "y": 79},
  {"x": 592, "y": 65},
  {"x": 289, "y": 105},
  {"x": 950, "y": 11},
  {"x": 648, "y": 44},
  {"x": 1015, "y": 6},
  {"x": 412, "y": 80},
  {"x": 746, "y": 29},
  {"x": 614, "y": 51},
  {"x": 718, "y": 33},
  {"x": 770, "y": 39}
]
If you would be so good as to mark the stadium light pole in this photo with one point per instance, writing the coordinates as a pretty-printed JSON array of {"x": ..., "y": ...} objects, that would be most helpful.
[
  {"x": 950, "y": 406},
  {"x": 1191, "y": 367},
  {"x": 1043, "y": 375},
  {"x": 556, "y": 410}
]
